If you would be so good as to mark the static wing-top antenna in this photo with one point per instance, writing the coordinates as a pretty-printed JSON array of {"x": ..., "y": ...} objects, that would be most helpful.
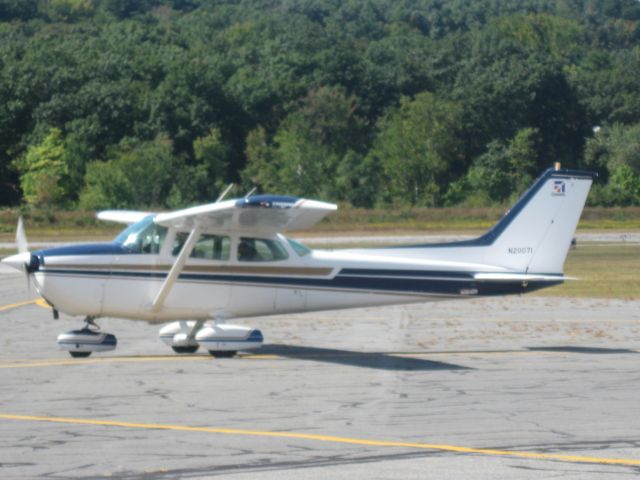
[
  {"x": 250, "y": 192},
  {"x": 224, "y": 194}
]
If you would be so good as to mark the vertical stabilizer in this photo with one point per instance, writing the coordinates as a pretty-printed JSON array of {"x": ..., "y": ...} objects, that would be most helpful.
[{"x": 535, "y": 235}]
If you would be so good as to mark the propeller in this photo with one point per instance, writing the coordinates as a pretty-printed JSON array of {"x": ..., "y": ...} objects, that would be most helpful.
[
  {"x": 23, "y": 260},
  {"x": 23, "y": 247},
  {"x": 21, "y": 237}
]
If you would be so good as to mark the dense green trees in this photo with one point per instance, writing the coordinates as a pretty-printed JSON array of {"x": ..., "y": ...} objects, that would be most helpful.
[
  {"x": 419, "y": 146},
  {"x": 316, "y": 150},
  {"x": 160, "y": 103}
]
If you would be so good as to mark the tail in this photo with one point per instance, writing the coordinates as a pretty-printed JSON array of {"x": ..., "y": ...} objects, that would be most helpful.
[
  {"x": 533, "y": 238},
  {"x": 536, "y": 234}
]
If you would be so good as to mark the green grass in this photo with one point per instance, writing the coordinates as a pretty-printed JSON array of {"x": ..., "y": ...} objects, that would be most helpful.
[{"x": 602, "y": 271}]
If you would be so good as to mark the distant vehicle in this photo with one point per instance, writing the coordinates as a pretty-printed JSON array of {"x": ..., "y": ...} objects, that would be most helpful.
[{"x": 202, "y": 266}]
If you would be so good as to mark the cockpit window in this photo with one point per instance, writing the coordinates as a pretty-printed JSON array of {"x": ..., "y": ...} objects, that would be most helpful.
[
  {"x": 210, "y": 247},
  {"x": 299, "y": 248},
  {"x": 260, "y": 250},
  {"x": 143, "y": 237}
]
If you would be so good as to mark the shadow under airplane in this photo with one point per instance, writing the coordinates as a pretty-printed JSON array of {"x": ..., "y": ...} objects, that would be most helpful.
[
  {"x": 376, "y": 360},
  {"x": 589, "y": 350}
]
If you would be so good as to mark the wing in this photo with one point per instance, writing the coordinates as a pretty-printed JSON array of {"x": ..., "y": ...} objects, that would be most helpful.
[
  {"x": 264, "y": 214},
  {"x": 122, "y": 216}
]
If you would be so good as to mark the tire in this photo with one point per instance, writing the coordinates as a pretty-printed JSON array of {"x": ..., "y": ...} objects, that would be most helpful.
[
  {"x": 189, "y": 349},
  {"x": 223, "y": 353},
  {"x": 79, "y": 354}
]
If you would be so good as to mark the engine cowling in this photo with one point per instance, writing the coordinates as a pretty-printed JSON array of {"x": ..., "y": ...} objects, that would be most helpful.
[
  {"x": 229, "y": 338},
  {"x": 87, "y": 341}
]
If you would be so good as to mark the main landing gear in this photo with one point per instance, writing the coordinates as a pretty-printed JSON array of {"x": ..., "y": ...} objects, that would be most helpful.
[
  {"x": 82, "y": 343},
  {"x": 184, "y": 337},
  {"x": 220, "y": 339}
]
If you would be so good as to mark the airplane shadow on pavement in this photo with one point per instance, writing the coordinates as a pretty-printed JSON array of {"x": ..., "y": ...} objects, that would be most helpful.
[
  {"x": 376, "y": 360},
  {"x": 587, "y": 350}
]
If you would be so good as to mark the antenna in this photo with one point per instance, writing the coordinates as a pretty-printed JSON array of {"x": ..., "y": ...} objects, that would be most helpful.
[
  {"x": 224, "y": 194},
  {"x": 250, "y": 192}
]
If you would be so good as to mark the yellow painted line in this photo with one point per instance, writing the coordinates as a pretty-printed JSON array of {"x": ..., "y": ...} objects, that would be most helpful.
[
  {"x": 97, "y": 361},
  {"x": 17, "y": 305},
  {"x": 329, "y": 438},
  {"x": 39, "y": 302}
]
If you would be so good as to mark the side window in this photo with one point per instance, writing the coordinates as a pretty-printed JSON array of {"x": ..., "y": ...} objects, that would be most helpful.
[
  {"x": 210, "y": 247},
  {"x": 260, "y": 250}
]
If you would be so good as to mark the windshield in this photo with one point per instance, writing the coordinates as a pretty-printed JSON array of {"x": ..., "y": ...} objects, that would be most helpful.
[
  {"x": 142, "y": 237},
  {"x": 299, "y": 248}
]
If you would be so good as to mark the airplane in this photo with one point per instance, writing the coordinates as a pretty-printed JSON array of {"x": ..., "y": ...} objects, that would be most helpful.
[{"x": 202, "y": 266}]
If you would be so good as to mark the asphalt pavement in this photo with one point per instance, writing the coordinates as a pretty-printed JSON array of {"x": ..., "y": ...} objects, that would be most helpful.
[{"x": 504, "y": 388}]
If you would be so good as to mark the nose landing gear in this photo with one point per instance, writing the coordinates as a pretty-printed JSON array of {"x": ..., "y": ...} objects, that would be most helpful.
[{"x": 82, "y": 343}]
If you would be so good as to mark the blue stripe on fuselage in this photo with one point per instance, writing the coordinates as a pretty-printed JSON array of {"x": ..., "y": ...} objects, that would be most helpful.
[
  {"x": 110, "y": 248},
  {"x": 392, "y": 284}
]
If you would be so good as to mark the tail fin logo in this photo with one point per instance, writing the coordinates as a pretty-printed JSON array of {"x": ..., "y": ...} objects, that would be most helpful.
[{"x": 558, "y": 188}]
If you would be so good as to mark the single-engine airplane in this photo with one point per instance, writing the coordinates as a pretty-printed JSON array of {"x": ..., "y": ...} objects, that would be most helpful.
[{"x": 202, "y": 266}]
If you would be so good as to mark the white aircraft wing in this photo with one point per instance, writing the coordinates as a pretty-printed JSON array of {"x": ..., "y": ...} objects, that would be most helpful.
[
  {"x": 266, "y": 214},
  {"x": 122, "y": 216}
]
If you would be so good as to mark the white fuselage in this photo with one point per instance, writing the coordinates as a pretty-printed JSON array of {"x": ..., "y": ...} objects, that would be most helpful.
[
  {"x": 224, "y": 260},
  {"x": 125, "y": 285}
]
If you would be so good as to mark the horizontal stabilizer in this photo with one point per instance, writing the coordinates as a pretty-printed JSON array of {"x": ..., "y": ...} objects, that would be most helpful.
[{"x": 524, "y": 277}]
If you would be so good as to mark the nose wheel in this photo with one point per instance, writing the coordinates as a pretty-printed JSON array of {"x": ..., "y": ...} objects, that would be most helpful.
[{"x": 82, "y": 343}]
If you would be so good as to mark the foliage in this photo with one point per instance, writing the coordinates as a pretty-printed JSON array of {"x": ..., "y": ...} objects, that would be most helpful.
[
  {"x": 45, "y": 171},
  {"x": 615, "y": 152},
  {"x": 312, "y": 151},
  {"x": 136, "y": 173},
  {"x": 612, "y": 147},
  {"x": 504, "y": 170},
  {"x": 417, "y": 147},
  {"x": 366, "y": 102}
]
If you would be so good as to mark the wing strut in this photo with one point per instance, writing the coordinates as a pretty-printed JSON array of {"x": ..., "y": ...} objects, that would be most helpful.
[{"x": 170, "y": 281}]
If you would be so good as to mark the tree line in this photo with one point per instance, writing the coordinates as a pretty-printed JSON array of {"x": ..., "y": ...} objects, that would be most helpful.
[{"x": 160, "y": 103}]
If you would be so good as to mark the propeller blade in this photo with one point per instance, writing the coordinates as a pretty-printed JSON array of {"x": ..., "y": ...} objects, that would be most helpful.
[
  {"x": 23, "y": 250},
  {"x": 28, "y": 280},
  {"x": 21, "y": 237}
]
